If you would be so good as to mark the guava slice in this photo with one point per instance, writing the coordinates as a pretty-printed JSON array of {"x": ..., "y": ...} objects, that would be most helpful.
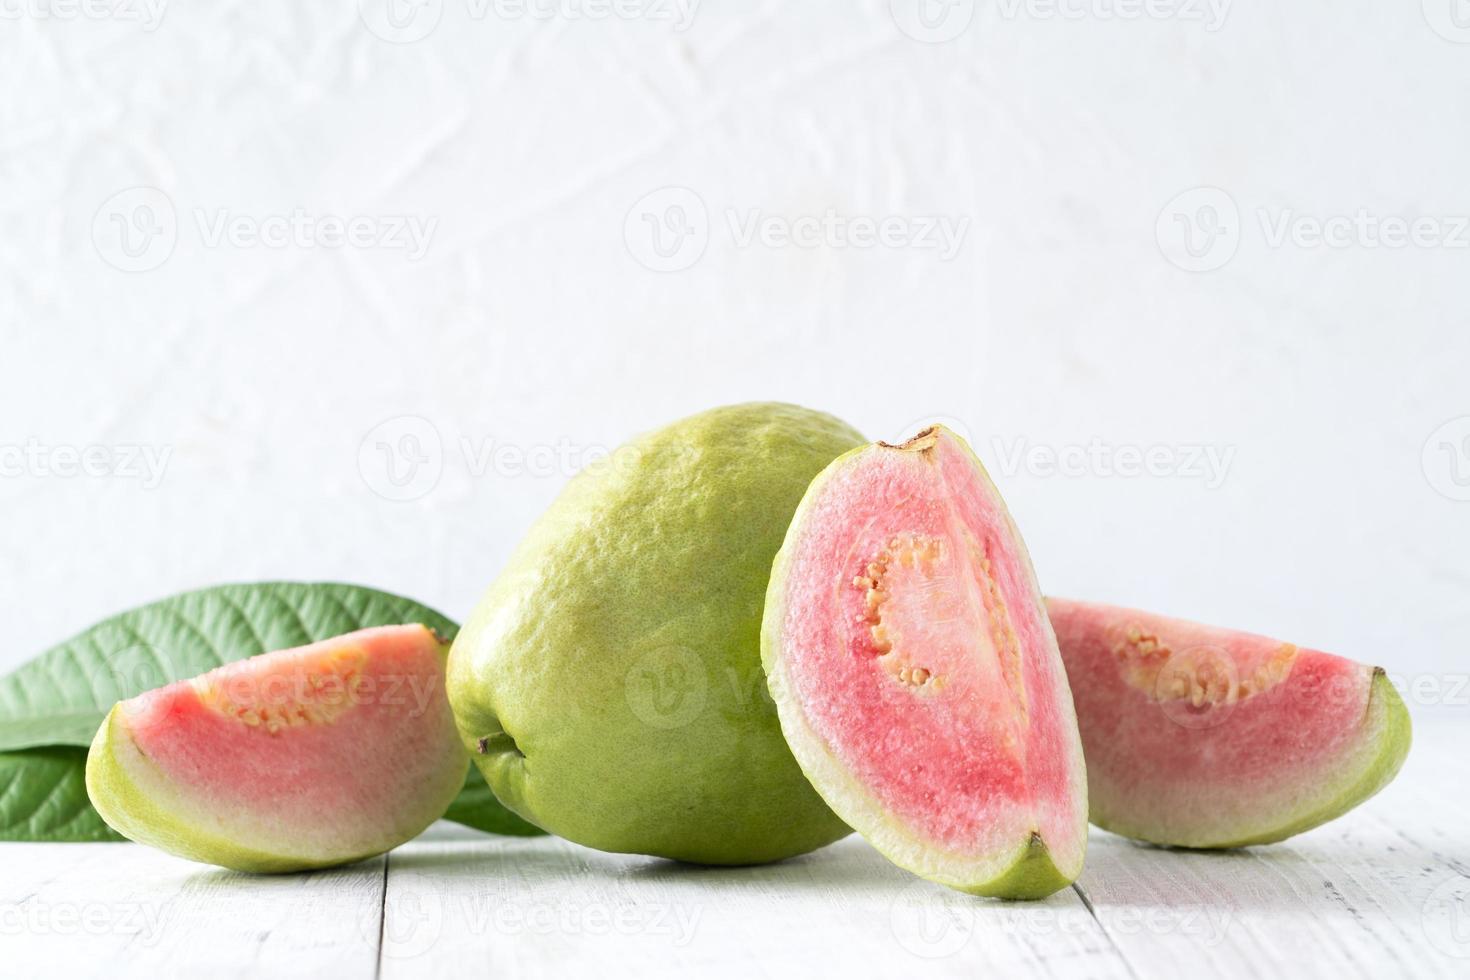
[
  {"x": 1198, "y": 736},
  {"x": 302, "y": 758},
  {"x": 916, "y": 676}
]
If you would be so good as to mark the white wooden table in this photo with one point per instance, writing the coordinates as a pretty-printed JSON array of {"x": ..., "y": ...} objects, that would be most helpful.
[{"x": 1383, "y": 892}]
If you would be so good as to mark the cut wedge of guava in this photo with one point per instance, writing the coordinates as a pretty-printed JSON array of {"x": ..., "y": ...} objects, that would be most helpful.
[
  {"x": 1198, "y": 736},
  {"x": 302, "y": 758},
  {"x": 916, "y": 676}
]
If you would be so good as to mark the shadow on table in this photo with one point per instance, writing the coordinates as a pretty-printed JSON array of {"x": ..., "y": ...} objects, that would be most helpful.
[{"x": 849, "y": 867}]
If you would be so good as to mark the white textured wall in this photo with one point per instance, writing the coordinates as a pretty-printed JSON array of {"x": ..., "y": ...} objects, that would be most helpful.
[{"x": 523, "y": 149}]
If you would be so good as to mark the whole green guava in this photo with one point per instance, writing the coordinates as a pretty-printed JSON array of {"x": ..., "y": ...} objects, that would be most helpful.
[{"x": 609, "y": 684}]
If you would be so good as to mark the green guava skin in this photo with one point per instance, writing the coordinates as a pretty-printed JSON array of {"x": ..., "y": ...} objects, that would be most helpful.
[
  {"x": 609, "y": 684},
  {"x": 1032, "y": 877}
]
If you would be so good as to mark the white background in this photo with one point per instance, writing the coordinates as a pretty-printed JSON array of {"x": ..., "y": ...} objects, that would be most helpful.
[{"x": 1068, "y": 318}]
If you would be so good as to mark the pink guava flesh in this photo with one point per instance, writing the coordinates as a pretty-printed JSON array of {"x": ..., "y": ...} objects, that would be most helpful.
[
  {"x": 297, "y": 758},
  {"x": 1207, "y": 737},
  {"x": 916, "y": 649}
]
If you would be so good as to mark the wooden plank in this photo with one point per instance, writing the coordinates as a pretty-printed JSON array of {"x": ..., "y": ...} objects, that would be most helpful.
[
  {"x": 123, "y": 910},
  {"x": 1382, "y": 892},
  {"x": 1373, "y": 894},
  {"x": 463, "y": 904}
]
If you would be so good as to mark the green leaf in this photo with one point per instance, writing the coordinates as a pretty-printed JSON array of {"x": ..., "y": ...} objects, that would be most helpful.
[
  {"x": 60, "y": 698},
  {"x": 43, "y": 797},
  {"x": 476, "y": 806}
]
